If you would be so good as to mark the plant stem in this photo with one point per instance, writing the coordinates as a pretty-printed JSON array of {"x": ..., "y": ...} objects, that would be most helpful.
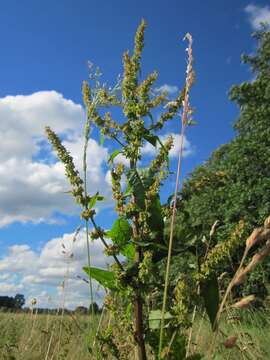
[
  {"x": 86, "y": 223},
  {"x": 105, "y": 244},
  {"x": 89, "y": 266},
  {"x": 138, "y": 305},
  {"x": 141, "y": 351},
  {"x": 171, "y": 241},
  {"x": 139, "y": 328}
]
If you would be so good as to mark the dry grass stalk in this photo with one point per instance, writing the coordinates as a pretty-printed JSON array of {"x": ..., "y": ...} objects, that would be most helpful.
[
  {"x": 267, "y": 222},
  {"x": 213, "y": 228},
  {"x": 257, "y": 236},
  {"x": 257, "y": 258}
]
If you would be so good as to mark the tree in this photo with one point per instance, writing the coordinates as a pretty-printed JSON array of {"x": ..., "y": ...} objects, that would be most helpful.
[
  {"x": 19, "y": 301},
  {"x": 7, "y": 302},
  {"x": 233, "y": 186},
  {"x": 81, "y": 310}
]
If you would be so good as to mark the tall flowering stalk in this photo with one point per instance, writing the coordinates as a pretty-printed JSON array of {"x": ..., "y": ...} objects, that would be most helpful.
[{"x": 185, "y": 121}]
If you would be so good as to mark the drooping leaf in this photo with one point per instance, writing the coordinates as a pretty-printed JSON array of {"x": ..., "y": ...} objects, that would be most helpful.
[
  {"x": 103, "y": 277},
  {"x": 210, "y": 294},
  {"x": 154, "y": 318},
  {"x": 121, "y": 232},
  {"x": 152, "y": 139},
  {"x": 113, "y": 155}
]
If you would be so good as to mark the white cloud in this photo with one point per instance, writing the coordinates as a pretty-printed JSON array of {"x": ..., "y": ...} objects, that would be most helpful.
[
  {"x": 257, "y": 14},
  {"x": 150, "y": 150},
  {"x": 6, "y": 288},
  {"x": 33, "y": 273},
  {"x": 171, "y": 89},
  {"x": 120, "y": 158},
  {"x": 32, "y": 181},
  {"x": 23, "y": 118}
]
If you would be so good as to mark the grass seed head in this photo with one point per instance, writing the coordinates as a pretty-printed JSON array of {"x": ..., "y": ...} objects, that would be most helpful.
[{"x": 244, "y": 302}]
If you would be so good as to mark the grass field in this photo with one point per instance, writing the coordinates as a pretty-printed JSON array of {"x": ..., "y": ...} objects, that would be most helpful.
[
  {"x": 33, "y": 337},
  {"x": 25, "y": 336}
]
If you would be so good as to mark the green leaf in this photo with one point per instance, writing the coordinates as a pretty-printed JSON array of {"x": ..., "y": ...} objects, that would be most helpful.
[
  {"x": 103, "y": 277},
  {"x": 136, "y": 185},
  {"x": 94, "y": 199},
  {"x": 210, "y": 294},
  {"x": 192, "y": 122},
  {"x": 101, "y": 139},
  {"x": 155, "y": 316},
  {"x": 127, "y": 191},
  {"x": 156, "y": 222},
  {"x": 152, "y": 139},
  {"x": 121, "y": 232},
  {"x": 129, "y": 251},
  {"x": 113, "y": 155}
]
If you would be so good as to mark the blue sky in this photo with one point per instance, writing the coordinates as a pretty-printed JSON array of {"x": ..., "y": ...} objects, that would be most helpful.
[{"x": 45, "y": 47}]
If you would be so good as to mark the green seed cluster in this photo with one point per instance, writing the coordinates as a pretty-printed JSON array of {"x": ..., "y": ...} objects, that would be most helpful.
[
  {"x": 181, "y": 303},
  {"x": 71, "y": 173},
  {"x": 221, "y": 251},
  {"x": 145, "y": 267},
  {"x": 116, "y": 188}
]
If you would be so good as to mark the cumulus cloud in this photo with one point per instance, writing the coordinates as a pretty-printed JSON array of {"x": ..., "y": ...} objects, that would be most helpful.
[
  {"x": 257, "y": 14},
  {"x": 150, "y": 150},
  {"x": 171, "y": 89},
  {"x": 60, "y": 259},
  {"x": 32, "y": 181}
]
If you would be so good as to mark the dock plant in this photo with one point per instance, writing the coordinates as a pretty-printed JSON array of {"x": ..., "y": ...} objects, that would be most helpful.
[{"x": 137, "y": 240}]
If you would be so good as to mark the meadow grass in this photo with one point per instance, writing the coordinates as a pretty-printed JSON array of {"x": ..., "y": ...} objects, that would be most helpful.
[
  {"x": 251, "y": 328},
  {"x": 25, "y": 336}
]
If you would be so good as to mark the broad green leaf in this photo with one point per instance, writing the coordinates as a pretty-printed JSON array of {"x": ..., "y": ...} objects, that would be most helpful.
[
  {"x": 113, "y": 156},
  {"x": 121, "y": 232},
  {"x": 155, "y": 316},
  {"x": 103, "y": 277},
  {"x": 210, "y": 294}
]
